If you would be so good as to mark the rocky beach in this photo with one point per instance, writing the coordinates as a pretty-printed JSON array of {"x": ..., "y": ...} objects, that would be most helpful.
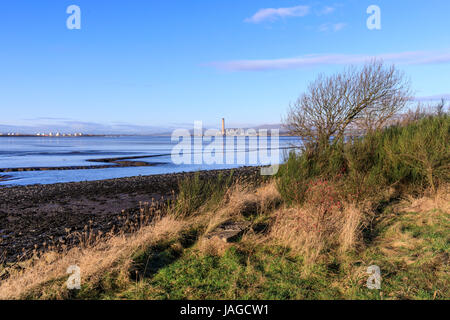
[{"x": 38, "y": 216}]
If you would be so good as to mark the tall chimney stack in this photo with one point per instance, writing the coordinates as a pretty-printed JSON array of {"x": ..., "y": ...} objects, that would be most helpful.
[{"x": 223, "y": 126}]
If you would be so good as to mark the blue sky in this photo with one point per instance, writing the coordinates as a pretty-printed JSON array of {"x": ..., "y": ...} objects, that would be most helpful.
[{"x": 136, "y": 64}]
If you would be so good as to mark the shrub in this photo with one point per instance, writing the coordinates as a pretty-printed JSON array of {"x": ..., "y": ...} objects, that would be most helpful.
[
  {"x": 301, "y": 168},
  {"x": 420, "y": 152},
  {"x": 293, "y": 176},
  {"x": 365, "y": 163},
  {"x": 411, "y": 158}
]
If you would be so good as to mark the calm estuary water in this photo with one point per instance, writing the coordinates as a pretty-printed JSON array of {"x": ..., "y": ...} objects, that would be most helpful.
[{"x": 26, "y": 152}]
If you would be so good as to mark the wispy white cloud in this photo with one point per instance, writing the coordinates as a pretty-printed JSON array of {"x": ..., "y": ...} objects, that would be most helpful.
[
  {"x": 326, "y": 10},
  {"x": 272, "y": 14},
  {"x": 324, "y": 27},
  {"x": 332, "y": 27},
  {"x": 339, "y": 26},
  {"x": 408, "y": 58}
]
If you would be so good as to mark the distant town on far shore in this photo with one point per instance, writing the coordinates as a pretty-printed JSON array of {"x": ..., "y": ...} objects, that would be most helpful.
[{"x": 50, "y": 134}]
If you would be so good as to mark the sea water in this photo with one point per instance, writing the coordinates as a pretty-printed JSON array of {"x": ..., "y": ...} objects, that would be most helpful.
[{"x": 26, "y": 152}]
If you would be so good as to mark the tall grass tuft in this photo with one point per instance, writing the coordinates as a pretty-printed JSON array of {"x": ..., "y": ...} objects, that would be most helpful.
[
  {"x": 195, "y": 193},
  {"x": 322, "y": 223}
]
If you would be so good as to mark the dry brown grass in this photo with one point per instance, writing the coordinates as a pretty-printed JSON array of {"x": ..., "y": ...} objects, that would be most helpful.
[
  {"x": 295, "y": 228},
  {"x": 115, "y": 253},
  {"x": 213, "y": 246},
  {"x": 427, "y": 210},
  {"x": 239, "y": 202},
  {"x": 269, "y": 197},
  {"x": 440, "y": 201},
  {"x": 353, "y": 220},
  {"x": 395, "y": 243},
  {"x": 309, "y": 231},
  {"x": 322, "y": 224},
  {"x": 44, "y": 276}
]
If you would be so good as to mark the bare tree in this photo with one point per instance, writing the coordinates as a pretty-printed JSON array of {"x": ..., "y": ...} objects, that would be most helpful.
[{"x": 366, "y": 97}]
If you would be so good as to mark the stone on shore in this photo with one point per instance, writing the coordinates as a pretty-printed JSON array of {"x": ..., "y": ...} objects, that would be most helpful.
[{"x": 229, "y": 231}]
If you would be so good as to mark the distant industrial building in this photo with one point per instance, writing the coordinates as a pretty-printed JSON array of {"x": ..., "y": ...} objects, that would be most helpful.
[{"x": 236, "y": 131}]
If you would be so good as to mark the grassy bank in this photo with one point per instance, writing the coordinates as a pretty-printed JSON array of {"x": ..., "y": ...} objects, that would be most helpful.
[{"x": 314, "y": 229}]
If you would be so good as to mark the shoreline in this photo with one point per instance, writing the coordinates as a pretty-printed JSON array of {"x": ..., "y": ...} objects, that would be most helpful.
[
  {"x": 4, "y": 177},
  {"x": 116, "y": 164},
  {"x": 121, "y": 162},
  {"x": 36, "y": 214}
]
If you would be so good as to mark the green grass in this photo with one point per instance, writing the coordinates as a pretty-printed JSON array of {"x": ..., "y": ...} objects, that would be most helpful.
[
  {"x": 267, "y": 275},
  {"x": 420, "y": 268}
]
